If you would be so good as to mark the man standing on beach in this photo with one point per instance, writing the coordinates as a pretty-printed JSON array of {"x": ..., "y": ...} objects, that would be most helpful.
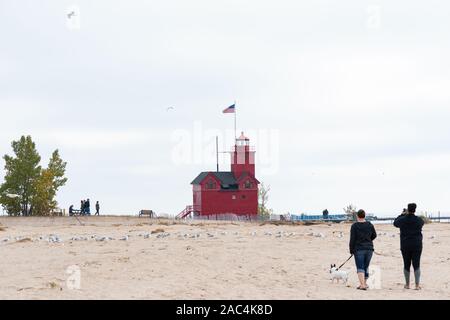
[
  {"x": 410, "y": 242},
  {"x": 88, "y": 207},
  {"x": 97, "y": 209}
]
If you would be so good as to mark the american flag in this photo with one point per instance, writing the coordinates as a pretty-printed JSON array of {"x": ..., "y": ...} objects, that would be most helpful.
[{"x": 230, "y": 109}]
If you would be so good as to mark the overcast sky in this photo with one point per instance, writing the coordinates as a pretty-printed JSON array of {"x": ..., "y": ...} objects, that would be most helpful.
[{"x": 346, "y": 102}]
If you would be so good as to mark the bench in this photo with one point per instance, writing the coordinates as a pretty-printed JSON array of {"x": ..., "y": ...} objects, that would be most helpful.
[
  {"x": 75, "y": 212},
  {"x": 149, "y": 213},
  {"x": 57, "y": 212}
]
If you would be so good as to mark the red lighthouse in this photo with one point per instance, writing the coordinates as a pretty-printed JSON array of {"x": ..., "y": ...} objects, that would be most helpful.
[{"x": 217, "y": 194}]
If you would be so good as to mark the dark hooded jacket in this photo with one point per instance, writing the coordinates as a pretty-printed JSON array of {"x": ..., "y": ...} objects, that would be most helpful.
[
  {"x": 410, "y": 231},
  {"x": 362, "y": 235}
]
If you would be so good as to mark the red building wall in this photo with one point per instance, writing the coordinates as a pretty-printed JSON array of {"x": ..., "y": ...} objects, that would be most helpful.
[
  {"x": 237, "y": 202},
  {"x": 197, "y": 201},
  {"x": 216, "y": 201}
]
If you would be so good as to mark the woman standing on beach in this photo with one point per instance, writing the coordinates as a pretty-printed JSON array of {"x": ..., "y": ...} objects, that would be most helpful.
[
  {"x": 362, "y": 235},
  {"x": 410, "y": 242}
]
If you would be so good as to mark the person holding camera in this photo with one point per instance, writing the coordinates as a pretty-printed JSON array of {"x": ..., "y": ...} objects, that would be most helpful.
[{"x": 410, "y": 242}]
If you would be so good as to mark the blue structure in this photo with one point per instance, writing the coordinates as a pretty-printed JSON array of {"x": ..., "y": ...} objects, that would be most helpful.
[{"x": 332, "y": 218}]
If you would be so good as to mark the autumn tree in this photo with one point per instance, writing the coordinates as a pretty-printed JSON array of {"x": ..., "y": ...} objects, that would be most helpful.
[
  {"x": 43, "y": 202},
  {"x": 263, "y": 198},
  {"x": 47, "y": 185},
  {"x": 351, "y": 210}
]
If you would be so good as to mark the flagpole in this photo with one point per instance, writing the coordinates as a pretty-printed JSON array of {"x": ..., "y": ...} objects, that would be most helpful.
[
  {"x": 217, "y": 152},
  {"x": 235, "y": 121}
]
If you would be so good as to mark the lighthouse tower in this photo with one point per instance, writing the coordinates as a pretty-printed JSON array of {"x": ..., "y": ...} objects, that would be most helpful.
[{"x": 242, "y": 157}]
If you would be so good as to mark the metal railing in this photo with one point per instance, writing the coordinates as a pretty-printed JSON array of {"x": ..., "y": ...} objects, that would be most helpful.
[{"x": 249, "y": 148}]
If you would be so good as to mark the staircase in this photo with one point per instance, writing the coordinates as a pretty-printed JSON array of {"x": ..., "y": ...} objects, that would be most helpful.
[{"x": 187, "y": 211}]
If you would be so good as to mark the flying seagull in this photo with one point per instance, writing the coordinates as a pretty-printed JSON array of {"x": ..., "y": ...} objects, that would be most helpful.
[
  {"x": 71, "y": 14},
  {"x": 170, "y": 108}
]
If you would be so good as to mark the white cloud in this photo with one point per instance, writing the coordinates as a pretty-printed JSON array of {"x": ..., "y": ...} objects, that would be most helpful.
[{"x": 347, "y": 101}]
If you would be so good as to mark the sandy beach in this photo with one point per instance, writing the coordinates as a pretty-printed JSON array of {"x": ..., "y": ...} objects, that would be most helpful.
[{"x": 160, "y": 259}]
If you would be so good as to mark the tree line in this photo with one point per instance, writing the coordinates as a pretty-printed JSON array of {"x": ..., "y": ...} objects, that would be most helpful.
[{"x": 28, "y": 188}]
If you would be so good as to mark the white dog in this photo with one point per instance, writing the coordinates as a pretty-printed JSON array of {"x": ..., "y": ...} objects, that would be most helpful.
[{"x": 338, "y": 274}]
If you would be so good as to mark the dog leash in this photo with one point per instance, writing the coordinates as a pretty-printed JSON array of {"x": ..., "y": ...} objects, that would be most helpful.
[{"x": 345, "y": 262}]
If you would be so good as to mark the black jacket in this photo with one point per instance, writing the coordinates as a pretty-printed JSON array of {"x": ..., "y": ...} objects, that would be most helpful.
[
  {"x": 410, "y": 231},
  {"x": 362, "y": 235}
]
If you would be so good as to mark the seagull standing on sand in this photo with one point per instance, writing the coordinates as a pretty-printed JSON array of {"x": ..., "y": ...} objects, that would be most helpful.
[
  {"x": 12, "y": 196},
  {"x": 103, "y": 238},
  {"x": 162, "y": 235},
  {"x": 54, "y": 239},
  {"x": 319, "y": 235}
]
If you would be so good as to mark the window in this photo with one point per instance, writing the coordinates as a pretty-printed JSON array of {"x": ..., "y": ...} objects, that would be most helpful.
[
  {"x": 210, "y": 185},
  {"x": 248, "y": 184},
  {"x": 230, "y": 186},
  {"x": 233, "y": 197},
  {"x": 243, "y": 197}
]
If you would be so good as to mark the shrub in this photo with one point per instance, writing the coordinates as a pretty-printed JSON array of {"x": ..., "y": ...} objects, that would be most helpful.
[{"x": 425, "y": 219}]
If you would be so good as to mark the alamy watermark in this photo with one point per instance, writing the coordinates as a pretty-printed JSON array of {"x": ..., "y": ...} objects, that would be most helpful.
[
  {"x": 73, "y": 19},
  {"x": 373, "y": 17},
  {"x": 73, "y": 281},
  {"x": 374, "y": 281},
  {"x": 198, "y": 146}
]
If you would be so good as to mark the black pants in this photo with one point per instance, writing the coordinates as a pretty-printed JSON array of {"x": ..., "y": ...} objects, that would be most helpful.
[{"x": 411, "y": 256}]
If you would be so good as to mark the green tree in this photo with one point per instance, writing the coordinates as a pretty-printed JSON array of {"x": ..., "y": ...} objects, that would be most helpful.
[
  {"x": 21, "y": 173},
  {"x": 58, "y": 169},
  {"x": 263, "y": 198},
  {"x": 29, "y": 189}
]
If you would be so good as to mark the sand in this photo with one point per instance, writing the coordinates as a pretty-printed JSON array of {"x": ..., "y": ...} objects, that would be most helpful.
[{"x": 235, "y": 261}]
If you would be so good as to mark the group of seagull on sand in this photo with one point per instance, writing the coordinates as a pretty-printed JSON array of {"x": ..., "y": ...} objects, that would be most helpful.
[{"x": 53, "y": 238}]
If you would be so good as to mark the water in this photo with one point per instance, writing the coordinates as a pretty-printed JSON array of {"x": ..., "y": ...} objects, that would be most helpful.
[
  {"x": 382, "y": 222},
  {"x": 443, "y": 220}
]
